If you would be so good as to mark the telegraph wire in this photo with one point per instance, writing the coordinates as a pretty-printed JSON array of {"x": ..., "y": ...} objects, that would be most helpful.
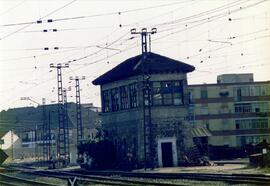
[
  {"x": 205, "y": 13},
  {"x": 159, "y": 31},
  {"x": 218, "y": 17},
  {"x": 29, "y": 24},
  {"x": 94, "y": 15},
  {"x": 13, "y": 7}
]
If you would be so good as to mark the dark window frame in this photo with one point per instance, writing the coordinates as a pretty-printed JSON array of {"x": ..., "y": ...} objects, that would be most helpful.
[
  {"x": 106, "y": 101},
  {"x": 171, "y": 90},
  {"x": 204, "y": 94},
  {"x": 124, "y": 97},
  {"x": 133, "y": 95},
  {"x": 115, "y": 99}
]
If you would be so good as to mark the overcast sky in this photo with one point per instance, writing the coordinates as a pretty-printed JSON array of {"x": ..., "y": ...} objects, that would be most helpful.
[{"x": 216, "y": 36}]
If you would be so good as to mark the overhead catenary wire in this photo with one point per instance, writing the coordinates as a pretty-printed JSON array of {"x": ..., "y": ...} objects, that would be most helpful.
[
  {"x": 12, "y": 8},
  {"x": 30, "y": 23},
  {"x": 231, "y": 4},
  {"x": 93, "y": 15}
]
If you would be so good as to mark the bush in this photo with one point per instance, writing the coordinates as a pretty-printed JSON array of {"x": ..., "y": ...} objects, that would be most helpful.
[{"x": 102, "y": 153}]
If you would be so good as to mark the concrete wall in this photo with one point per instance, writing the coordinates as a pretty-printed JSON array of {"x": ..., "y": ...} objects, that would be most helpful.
[{"x": 218, "y": 112}]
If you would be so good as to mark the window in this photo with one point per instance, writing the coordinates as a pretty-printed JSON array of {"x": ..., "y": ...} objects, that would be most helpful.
[
  {"x": 115, "y": 99},
  {"x": 157, "y": 96},
  {"x": 133, "y": 95},
  {"x": 242, "y": 107},
  {"x": 241, "y": 91},
  {"x": 124, "y": 97},
  {"x": 251, "y": 124},
  {"x": 204, "y": 94},
  {"x": 166, "y": 90},
  {"x": 258, "y": 91},
  {"x": 177, "y": 93},
  {"x": 167, "y": 93},
  {"x": 243, "y": 140},
  {"x": 204, "y": 109},
  {"x": 251, "y": 107},
  {"x": 106, "y": 101}
]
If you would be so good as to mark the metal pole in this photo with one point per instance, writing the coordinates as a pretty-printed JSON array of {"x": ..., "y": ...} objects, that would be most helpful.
[
  {"x": 146, "y": 91},
  {"x": 61, "y": 141},
  {"x": 12, "y": 146},
  {"x": 80, "y": 135}
]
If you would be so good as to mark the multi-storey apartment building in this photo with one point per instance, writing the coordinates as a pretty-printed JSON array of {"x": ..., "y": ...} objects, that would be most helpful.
[{"x": 236, "y": 110}]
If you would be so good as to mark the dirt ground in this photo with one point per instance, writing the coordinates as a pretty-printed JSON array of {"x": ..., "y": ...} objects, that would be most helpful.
[
  {"x": 226, "y": 168},
  {"x": 239, "y": 166}
]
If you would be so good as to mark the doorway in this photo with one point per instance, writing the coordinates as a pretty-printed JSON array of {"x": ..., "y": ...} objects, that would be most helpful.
[{"x": 167, "y": 155}]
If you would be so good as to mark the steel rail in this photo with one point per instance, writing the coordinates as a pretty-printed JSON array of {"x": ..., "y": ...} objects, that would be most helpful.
[
  {"x": 106, "y": 180},
  {"x": 232, "y": 178},
  {"x": 14, "y": 181},
  {"x": 125, "y": 177}
]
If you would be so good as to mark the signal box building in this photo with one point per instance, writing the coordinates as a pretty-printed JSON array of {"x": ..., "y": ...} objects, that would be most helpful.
[{"x": 122, "y": 110}]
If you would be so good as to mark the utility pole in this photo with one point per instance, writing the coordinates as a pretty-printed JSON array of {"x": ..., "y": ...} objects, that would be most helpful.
[
  {"x": 36, "y": 147},
  {"x": 80, "y": 136},
  {"x": 66, "y": 124},
  {"x": 45, "y": 131},
  {"x": 49, "y": 136},
  {"x": 12, "y": 145},
  {"x": 146, "y": 91},
  {"x": 62, "y": 135}
]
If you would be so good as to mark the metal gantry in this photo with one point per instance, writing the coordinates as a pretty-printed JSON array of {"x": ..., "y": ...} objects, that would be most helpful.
[
  {"x": 62, "y": 151},
  {"x": 146, "y": 91},
  {"x": 80, "y": 136}
]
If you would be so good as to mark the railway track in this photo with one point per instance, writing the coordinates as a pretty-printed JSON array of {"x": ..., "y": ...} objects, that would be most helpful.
[
  {"x": 104, "y": 180},
  {"x": 8, "y": 180},
  {"x": 162, "y": 179},
  {"x": 85, "y": 177}
]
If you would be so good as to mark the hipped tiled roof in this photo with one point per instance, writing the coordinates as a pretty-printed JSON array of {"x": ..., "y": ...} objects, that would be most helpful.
[{"x": 132, "y": 66}]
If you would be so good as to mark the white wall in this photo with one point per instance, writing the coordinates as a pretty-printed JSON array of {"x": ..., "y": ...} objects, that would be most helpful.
[{"x": 8, "y": 142}]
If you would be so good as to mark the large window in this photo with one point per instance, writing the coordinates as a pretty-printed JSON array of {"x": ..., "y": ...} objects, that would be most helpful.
[
  {"x": 178, "y": 93},
  {"x": 243, "y": 140},
  {"x": 157, "y": 96},
  {"x": 242, "y": 107},
  {"x": 124, "y": 103},
  {"x": 204, "y": 94},
  {"x": 258, "y": 90},
  {"x": 133, "y": 95},
  {"x": 106, "y": 101},
  {"x": 125, "y": 97},
  {"x": 115, "y": 99},
  {"x": 251, "y": 107},
  {"x": 251, "y": 124},
  {"x": 167, "y": 93}
]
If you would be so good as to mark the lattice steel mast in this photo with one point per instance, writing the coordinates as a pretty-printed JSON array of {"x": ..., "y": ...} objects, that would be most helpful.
[
  {"x": 146, "y": 91},
  {"x": 66, "y": 125},
  {"x": 45, "y": 131},
  {"x": 80, "y": 136},
  {"x": 62, "y": 134}
]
